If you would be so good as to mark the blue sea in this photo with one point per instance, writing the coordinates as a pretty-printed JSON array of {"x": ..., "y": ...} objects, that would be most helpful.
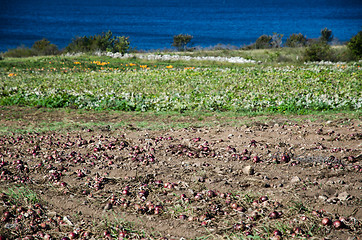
[{"x": 151, "y": 24}]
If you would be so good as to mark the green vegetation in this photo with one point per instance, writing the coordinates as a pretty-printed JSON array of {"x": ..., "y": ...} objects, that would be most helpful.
[
  {"x": 181, "y": 41},
  {"x": 355, "y": 45},
  {"x": 44, "y": 47},
  {"x": 264, "y": 41},
  {"x": 22, "y": 194},
  {"x": 296, "y": 40},
  {"x": 105, "y": 83},
  {"x": 310, "y": 49},
  {"x": 105, "y": 42},
  {"x": 40, "y": 48},
  {"x": 99, "y": 83},
  {"x": 318, "y": 51},
  {"x": 326, "y": 35}
]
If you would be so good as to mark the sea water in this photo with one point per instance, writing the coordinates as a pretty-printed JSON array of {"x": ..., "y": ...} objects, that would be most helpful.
[{"x": 152, "y": 24}]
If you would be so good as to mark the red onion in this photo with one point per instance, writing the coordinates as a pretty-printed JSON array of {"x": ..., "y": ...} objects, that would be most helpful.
[
  {"x": 211, "y": 193},
  {"x": 122, "y": 234},
  {"x": 326, "y": 221},
  {"x": 240, "y": 209},
  {"x": 273, "y": 215},
  {"x": 203, "y": 223},
  {"x": 263, "y": 198},
  {"x": 198, "y": 197},
  {"x": 182, "y": 217},
  {"x": 337, "y": 224},
  {"x": 234, "y": 205},
  {"x": 298, "y": 230},
  {"x": 72, "y": 235},
  {"x": 277, "y": 233},
  {"x": 256, "y": 159}
]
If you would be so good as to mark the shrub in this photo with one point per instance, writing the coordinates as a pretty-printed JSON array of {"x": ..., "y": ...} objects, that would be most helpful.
[
  {"x": 318, "y": 51},
  {"x": 181, "y": 41},
  {"x": 326, "y": 35},
  {"x": 355, "y": 45},
  {"x": 264, "y": 41},
  {"x": 105, "y": 42},
  {"x": 19, "y": 52},
  {"x": 296, "y": 40},
  {"x": 341, "y": 54},
  {"x": 44, "y": 47},
  {"x": 40, "y": 48}
]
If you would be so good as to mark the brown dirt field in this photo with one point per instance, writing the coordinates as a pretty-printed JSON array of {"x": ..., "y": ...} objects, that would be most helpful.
[{"x": 220, "y": 177}]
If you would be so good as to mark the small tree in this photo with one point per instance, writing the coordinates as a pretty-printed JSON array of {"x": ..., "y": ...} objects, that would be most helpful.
[
  {"x": 326, "y": 35},
  {"x": 181, "y": 41},
  {"x": 264, "y": 41},
  {"x": 105, "y": 42},
  {"x": 296, "y": 40},
  {"x": 355, "y": 45},
  {"x": 44, "y": 47}
]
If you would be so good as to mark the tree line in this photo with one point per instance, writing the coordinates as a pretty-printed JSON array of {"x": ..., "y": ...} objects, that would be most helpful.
[{"x": 315, "y": 49}]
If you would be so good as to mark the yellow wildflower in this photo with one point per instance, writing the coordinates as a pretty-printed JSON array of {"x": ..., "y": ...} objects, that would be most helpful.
[
  {"x": 11, "y": 75},
  {"x": 169, "y": 66}
]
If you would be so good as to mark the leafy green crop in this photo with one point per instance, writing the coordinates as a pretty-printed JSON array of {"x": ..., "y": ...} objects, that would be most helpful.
[{"x": 132, "y": 87}]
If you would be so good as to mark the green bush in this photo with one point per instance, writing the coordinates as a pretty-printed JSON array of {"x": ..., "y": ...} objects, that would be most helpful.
[
  {"x": 296, "y": 40},
  {"x": 181, "y": 41},
  {"x": 19, "y": 52},
  {"x": 264, "y": 41},
  {"x": 105, "y": 42},
  {"x": 318, "y": 51},
  {"x": 341, "y": 54},
  {"x": 355, "y": 45},
  {"x": 40, "y": 48},
  {"x": 44, "y": 47}
]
